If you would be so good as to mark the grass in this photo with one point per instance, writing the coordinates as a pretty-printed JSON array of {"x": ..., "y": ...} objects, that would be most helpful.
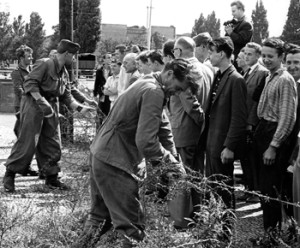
[{"x": 36, "y": 217}]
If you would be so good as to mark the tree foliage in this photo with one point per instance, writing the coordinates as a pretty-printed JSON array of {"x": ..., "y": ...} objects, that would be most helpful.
[
  {"x": 260, "y": 23},
  {"x": 35, "y": 34},
  {"x": 18, "y": 36},
  {"x": 5, "y": 34},
  {"x": 199, "y": 26},
  {"x": 291, "y": 30},
  {"x": 107, "y": 45},
  {"x": 88, "y": 21},
  {"x": 210, "y": 24}
]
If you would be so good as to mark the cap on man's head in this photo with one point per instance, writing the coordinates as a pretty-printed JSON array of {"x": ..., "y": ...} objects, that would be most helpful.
[
  {"x": 202, "y": 39},
  {"x": 67, "y": 45}
]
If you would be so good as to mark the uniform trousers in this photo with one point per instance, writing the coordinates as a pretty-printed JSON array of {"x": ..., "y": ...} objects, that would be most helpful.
[{"x": 39, "y": 135}]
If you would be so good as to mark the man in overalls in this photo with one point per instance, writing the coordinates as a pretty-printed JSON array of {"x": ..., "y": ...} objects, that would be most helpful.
[{"x": 39, "y": 117}]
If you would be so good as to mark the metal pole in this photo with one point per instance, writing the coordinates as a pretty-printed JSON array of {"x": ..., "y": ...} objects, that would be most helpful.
[
  {"x": 72, "y": 39},
  {"x": 149, "y": 27},
  {"x": 72, "y": 24}
]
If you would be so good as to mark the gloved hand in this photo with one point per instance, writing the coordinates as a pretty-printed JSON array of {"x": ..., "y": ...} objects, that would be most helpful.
[{"x": 45, "y": 107}]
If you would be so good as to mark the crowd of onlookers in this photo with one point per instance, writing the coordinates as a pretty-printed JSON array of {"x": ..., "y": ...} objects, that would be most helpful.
[{"x": 201, "y": 102}]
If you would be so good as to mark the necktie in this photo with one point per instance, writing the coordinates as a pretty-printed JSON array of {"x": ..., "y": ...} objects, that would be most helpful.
[{"x": 246, "y": 75}]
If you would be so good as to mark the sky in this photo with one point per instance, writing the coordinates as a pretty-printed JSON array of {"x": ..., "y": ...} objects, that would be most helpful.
[{"x": 181, "y": 14}]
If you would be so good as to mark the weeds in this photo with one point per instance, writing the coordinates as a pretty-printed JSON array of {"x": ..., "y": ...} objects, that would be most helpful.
[{"x": 54, "y": 219}]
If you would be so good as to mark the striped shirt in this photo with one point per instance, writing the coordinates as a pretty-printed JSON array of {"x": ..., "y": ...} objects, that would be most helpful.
[{"x": 278, "y": 103}]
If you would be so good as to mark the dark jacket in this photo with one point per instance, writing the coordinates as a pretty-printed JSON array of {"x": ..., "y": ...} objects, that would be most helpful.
[
  {"x": 100, "y": 81},
  {"x": 226, "y": 117},
  {"x": 18, "y": 78},
  {"x": 256, "y": 78},
  {"x": 241, "y": 35}
]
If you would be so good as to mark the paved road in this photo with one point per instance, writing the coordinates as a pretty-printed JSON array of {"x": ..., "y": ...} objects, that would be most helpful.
[{"x": 7, "y": 122}]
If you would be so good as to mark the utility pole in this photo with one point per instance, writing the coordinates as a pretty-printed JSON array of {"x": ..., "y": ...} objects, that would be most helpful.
[
  {"x": 72, "y": 24},
  {"x": 149, "y": 27}
]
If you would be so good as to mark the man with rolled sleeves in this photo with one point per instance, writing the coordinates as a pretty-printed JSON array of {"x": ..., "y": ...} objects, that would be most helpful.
[{"x": 39, "y": 117}]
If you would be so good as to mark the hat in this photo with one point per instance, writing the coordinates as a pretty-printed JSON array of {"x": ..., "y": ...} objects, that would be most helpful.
[
  {"x": 67, "y": 45},
  {"x": 202, "y": 39}
]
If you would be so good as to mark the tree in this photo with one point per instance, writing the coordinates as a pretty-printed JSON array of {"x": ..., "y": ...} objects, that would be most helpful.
[
  {"x": 35, "y": 34},
  {"x": 210, "y": 24},
  {"x": 6, "y": 36},
  {"x": 291, "y": 30},
  {"x": 88, "y": 20},
  {"x": 18, "y": 35},
  {"x": 107, "y": 45},
  {"x": 51, "y": 42},
  {"x": 260, "y": 23},
  {"x": 199, "y": 26}
]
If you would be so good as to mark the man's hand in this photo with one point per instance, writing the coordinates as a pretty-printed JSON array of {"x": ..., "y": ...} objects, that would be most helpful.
[
  {"x": 92, "y": 102},
  {"x": 227, "y": 156},
  {"x": 85, "y": 109},
  {"x": 229, "y": 29},
  {"x": 177, "y": 167},
  {"x": 269, "y": 155}
]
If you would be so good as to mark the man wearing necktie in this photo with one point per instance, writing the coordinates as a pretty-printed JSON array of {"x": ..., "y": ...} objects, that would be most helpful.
[
  {"x": 225, "y": 117},
  {"x": 254, "y": 76}
]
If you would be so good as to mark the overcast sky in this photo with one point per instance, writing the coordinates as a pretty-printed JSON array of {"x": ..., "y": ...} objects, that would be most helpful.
[{"x": 180, "y": 14}]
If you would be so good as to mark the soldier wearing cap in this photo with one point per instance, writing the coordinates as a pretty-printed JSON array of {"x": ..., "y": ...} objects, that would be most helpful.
[{"x": 39, "y": 132}]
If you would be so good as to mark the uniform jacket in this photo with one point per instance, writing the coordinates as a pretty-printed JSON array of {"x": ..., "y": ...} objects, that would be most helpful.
[
  {"x": 51, "y": 83},
  {"x": 256, "y": 78},
  {"x": 241, "y": 35},
  {"x": 186, "y": 110},
  {"x": 135, "y": 128},
  {"x": 18, "y": 77},
  {"x": 226, "y": 119}
]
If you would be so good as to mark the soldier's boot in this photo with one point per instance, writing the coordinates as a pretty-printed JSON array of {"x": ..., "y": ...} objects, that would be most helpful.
[
  {"x": 53, "y": 182},
  {"x": 9, "y": 181},
  {"x": 30, "y": 172}
]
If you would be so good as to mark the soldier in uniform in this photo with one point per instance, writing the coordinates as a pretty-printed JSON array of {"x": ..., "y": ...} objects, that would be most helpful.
[{"x": 39, "y": 117}]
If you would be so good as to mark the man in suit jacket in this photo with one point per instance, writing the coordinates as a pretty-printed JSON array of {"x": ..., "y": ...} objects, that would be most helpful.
[
  {"x": 186, "y": 111},
  {"x": 256, "y": 75},
  {"x": 239, "y": 29},
  {"x": 101, "y": 76},
  {"x": 225, "y": 118}
]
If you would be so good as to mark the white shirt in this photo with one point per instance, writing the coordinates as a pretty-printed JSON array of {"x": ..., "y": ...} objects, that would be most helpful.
[
  {"x": 112, "y": 85},
  {"x": 123, "y": 80}
]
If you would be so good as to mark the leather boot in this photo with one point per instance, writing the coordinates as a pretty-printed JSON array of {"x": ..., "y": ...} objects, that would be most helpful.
[
  {"x": 53, "y": 183},
  {"x": 9, "y": 181}
]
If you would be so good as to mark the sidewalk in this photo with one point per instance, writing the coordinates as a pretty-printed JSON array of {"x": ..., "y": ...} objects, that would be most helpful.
[{"x": 7, "y": 136}]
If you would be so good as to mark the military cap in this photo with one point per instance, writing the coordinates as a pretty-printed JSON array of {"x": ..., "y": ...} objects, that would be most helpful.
[
  {"x": 202, "y": 39},
  {"x": 67, "y": 45}
]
